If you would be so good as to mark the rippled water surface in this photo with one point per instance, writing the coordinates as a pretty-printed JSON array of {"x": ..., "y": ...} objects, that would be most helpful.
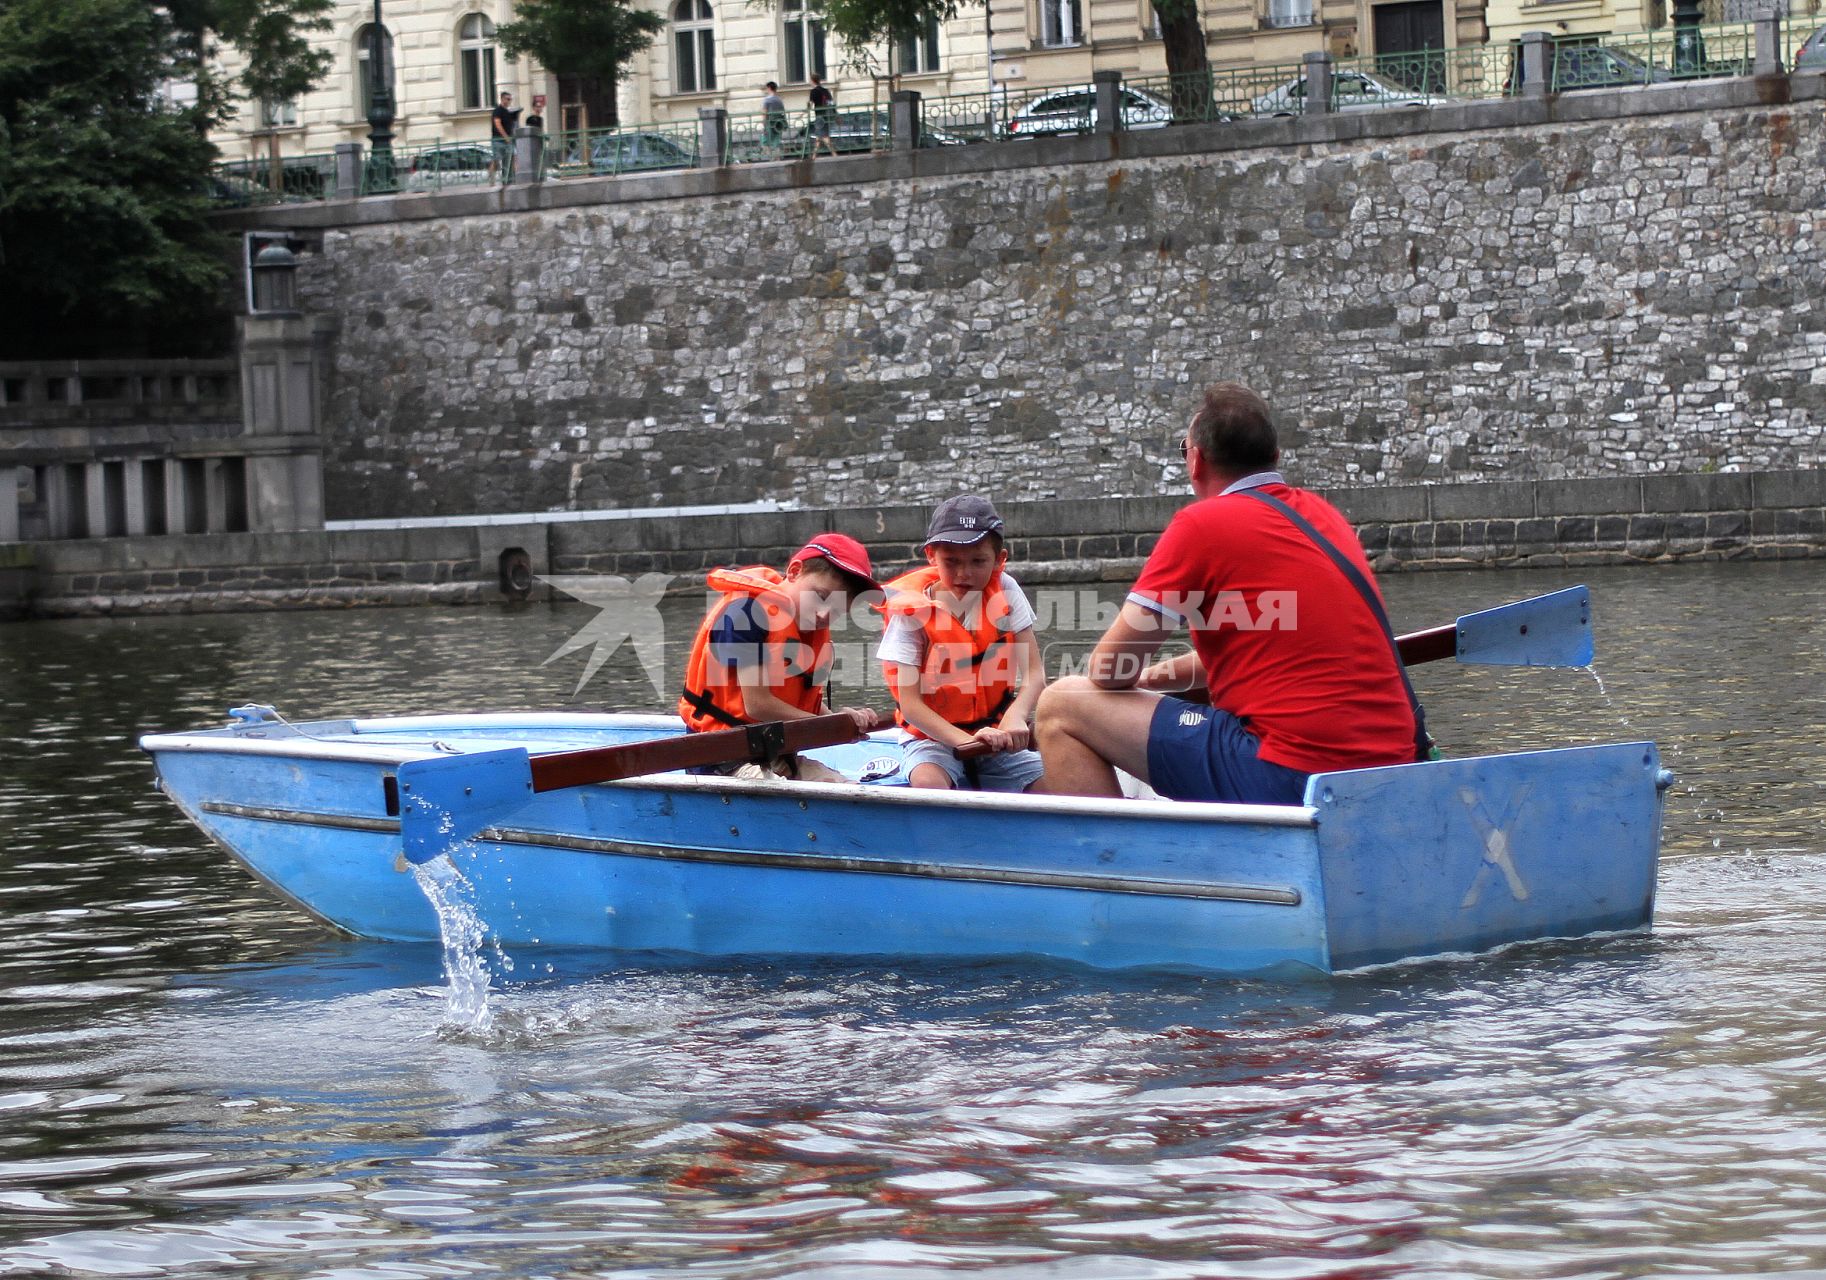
[{"x": 196, "y": 1078}]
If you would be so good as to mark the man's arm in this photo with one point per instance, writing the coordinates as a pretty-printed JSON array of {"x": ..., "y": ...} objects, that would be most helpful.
[
  {"x": 1183, "y": 674},
  {"x": 1121, "y": 656}
]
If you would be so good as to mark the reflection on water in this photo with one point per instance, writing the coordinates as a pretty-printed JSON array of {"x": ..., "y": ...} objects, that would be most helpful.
[{"x": 195, "y": 1077}]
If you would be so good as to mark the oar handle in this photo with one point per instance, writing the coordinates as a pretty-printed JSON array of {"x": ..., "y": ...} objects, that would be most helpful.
[{"x": 691, "y": 751}]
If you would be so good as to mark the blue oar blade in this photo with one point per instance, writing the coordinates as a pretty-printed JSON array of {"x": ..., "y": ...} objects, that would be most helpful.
[
  {"x": 1553, "y": 630},
  {"x": 445, "y": 801}
]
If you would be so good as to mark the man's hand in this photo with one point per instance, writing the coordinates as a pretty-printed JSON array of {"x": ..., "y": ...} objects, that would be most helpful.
[
  {"x": 865, "y": 718},
  {"x": 1018, "y": 731}
]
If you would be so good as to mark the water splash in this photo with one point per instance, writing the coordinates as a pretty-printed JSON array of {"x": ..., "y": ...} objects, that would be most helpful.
[{"x": 464, "y": 933}]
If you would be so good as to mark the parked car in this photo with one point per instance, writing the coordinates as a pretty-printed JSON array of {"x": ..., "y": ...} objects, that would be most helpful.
[
  {"x": 635, "y": 152},
  {"x": 1350, "y": 91},
  {"x": 1588, "y": 66},
  {"x": 1811, "y": 56},
  {"x": 1074, "y": 110},
  {"x": 457, "y": 164}
]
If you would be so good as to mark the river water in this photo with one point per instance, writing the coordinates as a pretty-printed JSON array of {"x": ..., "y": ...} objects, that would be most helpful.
[{"x": 196, "y": 1078}]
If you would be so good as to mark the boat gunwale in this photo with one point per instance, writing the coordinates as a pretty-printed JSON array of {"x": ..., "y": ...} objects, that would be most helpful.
[{"x": 302, "y": 746}]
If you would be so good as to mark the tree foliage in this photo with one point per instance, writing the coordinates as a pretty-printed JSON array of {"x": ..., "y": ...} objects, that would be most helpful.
[
  {"x": 859, "y": 23},
  {"x": 273, "y": 38},
  {"x": 580, "y": 37},
  {"x": 102, "y": 195}
]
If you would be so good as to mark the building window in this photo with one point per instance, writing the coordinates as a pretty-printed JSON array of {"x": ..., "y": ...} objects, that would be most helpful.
[
  {"x": 1061, "y": 22},
  {"x": 476, "y": 62},
  {"x": 364, "y": 70},
  {"x": 278, "y": 115},
  {"x": 1290, "y": 13},
  {"x": 804, "y": 40},
  {"x": 693, "y": 47},
  {"x": 918, "y": 53}
]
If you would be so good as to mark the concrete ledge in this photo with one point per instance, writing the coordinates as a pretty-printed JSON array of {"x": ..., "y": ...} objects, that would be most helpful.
[
  {"x": 1384, "y": 506},
  {"x": 1530, "y": 523},
  {"x": 1716, "y": 492},
  {"x": 1474, "y": 501},
  {"x": 1622, "y": 495}
]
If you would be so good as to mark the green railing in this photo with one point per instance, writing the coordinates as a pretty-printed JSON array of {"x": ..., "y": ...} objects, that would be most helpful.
[
  {"x": 759, "y": 136},
  {"x": 1230, "y": 93},
  {"x": 241, "y": 183},
  {"x": 643, "y": 148},
  {"x": 963, "y": 117},
  {"x": 1424, "y": 76},
  {"x": 436, "y": 166},
  {"x": 1656, "y": 57},
  {"x": 1433, "y": 77}
]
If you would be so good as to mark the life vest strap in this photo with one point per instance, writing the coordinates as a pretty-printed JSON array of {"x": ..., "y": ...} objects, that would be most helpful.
[
  {"x": 1001, "y": 709},
  {"x": 701, "y": 703}
]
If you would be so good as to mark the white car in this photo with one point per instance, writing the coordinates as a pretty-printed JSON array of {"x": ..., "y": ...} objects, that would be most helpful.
[
  {"x": 1350, "y": 91},
  {"x": 1074, "y": 110}
]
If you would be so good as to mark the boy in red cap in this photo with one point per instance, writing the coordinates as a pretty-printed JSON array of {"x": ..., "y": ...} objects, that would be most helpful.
[
  {"x": 763, "y": 652},
  {"x": 960, "y": 656}
]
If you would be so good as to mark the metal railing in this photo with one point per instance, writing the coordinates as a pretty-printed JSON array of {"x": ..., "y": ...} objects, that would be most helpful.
[
  {"x": 1425, "y": 78},
  {"x": 242, "y": 183},
  {"x": 644, "y": 148}
]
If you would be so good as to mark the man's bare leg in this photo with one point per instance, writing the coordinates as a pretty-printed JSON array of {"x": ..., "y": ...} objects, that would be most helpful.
[{"x": 1085, "y": 734}]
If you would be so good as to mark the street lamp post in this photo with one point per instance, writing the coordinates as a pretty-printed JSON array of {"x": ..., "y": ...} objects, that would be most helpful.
[
  {"x": 1689, "y": 45},
  {"x": 380, "y": 110}
]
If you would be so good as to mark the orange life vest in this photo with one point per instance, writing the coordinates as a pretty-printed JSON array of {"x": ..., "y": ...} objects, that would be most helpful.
[
  {"x": 712, "y": 696},
  {"x": 968, "y": 676}
]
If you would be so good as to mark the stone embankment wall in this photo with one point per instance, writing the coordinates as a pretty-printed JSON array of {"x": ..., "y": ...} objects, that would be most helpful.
[
  {"x": 1648, "y": 520},
  {"x": 1600, "y": 284}
]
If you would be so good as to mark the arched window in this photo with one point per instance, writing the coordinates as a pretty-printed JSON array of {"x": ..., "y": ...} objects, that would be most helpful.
[
  {"x": 918, "y": 52},
  {"x": 476, "y": 62},
  {"x": 804, "y": 31},
  {"x": 693, "y": 47},
  {"x": 364, "y": 69}
]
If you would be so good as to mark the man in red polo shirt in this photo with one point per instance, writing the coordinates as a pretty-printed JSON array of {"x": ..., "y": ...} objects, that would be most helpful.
[{"x": 1295, "y": 656}]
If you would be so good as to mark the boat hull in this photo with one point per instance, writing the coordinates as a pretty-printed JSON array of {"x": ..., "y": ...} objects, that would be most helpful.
[{"x": 1379, "y": 865}]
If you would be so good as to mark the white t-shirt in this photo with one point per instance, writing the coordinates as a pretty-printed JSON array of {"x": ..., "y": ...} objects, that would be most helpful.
[{"x": 903, "y": 640}]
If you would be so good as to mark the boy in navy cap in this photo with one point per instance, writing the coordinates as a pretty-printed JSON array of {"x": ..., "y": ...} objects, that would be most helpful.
[{"x": 960, "y": 656}]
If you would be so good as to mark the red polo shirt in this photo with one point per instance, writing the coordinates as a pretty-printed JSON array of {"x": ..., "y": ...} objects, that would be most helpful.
[{"x": 1288, "y": 645}]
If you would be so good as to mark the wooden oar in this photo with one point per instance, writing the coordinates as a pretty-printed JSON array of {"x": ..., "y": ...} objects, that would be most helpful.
[
  {"x": 691, "y": 751},
  {"x": 445, "y": 801}
]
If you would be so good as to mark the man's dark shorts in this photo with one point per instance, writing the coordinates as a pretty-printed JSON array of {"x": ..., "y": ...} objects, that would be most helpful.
[{"x": 1197, "y": 752}]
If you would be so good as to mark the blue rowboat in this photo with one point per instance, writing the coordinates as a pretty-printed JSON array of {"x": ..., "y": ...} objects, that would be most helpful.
[{"x": 1376, "y": 865}]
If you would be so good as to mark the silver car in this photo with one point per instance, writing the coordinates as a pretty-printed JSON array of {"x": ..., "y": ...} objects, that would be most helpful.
[
  {"x": 1074, "y": 110},
  {"x": 1350, "y": 91}
]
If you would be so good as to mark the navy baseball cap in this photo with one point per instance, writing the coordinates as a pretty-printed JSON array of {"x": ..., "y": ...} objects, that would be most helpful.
[{"x": 963, "y": 521}]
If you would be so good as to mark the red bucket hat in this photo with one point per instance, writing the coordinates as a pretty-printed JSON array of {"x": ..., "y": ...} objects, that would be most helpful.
[{"x": 843, "y": 551}]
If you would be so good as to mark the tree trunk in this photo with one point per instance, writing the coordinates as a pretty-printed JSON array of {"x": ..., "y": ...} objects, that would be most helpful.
[{"x": 1187, "y": 63}]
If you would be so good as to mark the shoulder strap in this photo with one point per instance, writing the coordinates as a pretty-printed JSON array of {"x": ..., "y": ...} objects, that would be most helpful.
[{"x": 1423, "y": 744}]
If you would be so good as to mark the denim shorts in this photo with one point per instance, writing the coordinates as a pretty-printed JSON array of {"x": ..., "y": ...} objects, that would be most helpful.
[
  {"x": 1004, "y": 771},
  {"x": 1197, "y": 752}
]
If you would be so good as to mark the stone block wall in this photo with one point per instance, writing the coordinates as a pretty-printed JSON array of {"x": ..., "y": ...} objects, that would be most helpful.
[{"x": 1616, "y": 284}]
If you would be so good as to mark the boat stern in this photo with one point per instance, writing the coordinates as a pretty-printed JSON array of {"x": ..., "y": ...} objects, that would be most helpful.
[{"x": 1465, "y": 855}]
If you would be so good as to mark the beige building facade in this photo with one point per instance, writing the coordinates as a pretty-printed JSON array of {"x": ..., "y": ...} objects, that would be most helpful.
[{"x": 446, "y": 67}]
